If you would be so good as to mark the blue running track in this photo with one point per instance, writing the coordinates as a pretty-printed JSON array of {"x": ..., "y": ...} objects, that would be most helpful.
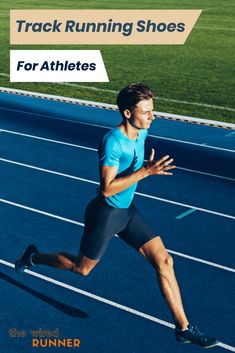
[{"x": 48, "y": 174}]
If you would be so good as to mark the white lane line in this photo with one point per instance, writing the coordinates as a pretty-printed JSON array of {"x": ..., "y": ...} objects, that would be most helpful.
[
  {"x": 95, "y": 150},
  {"x": 93, "y": 296},
  {"x": 213, "y": 264},
  {"x": 41, "y": 212},
  {"x": 48, "y": 140},
  {"x": 108, "y": 127},
  {"x": 204, "y": 173},
  {"x": 169, "y": 139},
  {"x": 192, "y": 143},
  {"x": 41, "y": 115},
  {"x": 202, "y": 261},
  {"x": 205, "y": 262},
  {"x": 48, "y": 171},
  {"x": 136, "y": 193},
  {"x": 185, "y": 205},
  {"x": 105, "y": 301}
]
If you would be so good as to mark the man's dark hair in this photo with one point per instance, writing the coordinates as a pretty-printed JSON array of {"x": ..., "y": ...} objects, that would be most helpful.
[{"x": 131, "y": 95}]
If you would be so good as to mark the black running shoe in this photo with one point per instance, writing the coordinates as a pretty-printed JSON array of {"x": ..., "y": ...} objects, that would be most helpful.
[
  {"x": 193, "y": 335},
  {"x": 24, "y": 261}
]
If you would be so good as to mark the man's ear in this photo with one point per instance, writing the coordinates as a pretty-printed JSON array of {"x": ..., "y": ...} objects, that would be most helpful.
[{"x": 127, "y": 113}]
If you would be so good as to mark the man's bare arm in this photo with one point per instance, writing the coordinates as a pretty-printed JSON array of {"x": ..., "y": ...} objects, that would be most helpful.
[{"x": 110, "y": 185}]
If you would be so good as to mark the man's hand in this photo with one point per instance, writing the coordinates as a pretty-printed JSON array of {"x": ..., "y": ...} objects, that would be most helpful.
[
  {"x": 111, "y": 185},
  {"x": 159, "y": 167}
]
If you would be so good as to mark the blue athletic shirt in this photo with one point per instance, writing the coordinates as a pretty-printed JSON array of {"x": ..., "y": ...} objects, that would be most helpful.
[{"x": 117, "y": 150}]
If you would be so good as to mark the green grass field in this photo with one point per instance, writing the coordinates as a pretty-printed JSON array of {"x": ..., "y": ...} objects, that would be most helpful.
[{"x": 196, "y": 79}]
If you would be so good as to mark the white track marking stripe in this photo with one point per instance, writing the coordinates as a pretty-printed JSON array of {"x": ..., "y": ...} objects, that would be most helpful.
[
  {"x": 82, "y": 225},
  {"x": 185, "y": 205},
  {"x": 48, "y": 140},
  {"x": 95, "y": 150},
  {"x": 201, "y": 261},
  {"x": 192, "y": 143},
  {"x": 136, "y": 193},
  {"x": 93, "y": 296},
  {"x": 105, "y": 301},
  {"x": 41, "y": 212},
  {"x": 108, "y": 127},
  {"x": 48, "y": 171},
  {"x": 204, "y": 173}
]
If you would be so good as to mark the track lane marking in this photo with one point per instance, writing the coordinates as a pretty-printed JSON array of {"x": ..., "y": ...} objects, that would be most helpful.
[
  {"x": 82, "y": 225},
  {"x": 95, "y": 150},
  {"x": 182, "y": 215},
  {"x": 48, "y": 140},
  {"x": 136, "y": 193},
  {"x": 105, "y": 301},
  {"x": 108, "y": 127},
  {"x": 185, "y": 205}
]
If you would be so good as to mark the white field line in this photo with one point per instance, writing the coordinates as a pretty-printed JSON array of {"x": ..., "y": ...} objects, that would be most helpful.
[
  {"x": 95, "y": 150},
  {"x": 205, "y": 105},
  {"x": 105, "y": 301},
  {"x": 136, "y": 193},
  {"x": 209, "y": 263},
  {"x": 215, "y": 28}
]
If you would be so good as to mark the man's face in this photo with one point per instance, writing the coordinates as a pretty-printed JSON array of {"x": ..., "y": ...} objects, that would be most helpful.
[{"x": 142, "y": 116}]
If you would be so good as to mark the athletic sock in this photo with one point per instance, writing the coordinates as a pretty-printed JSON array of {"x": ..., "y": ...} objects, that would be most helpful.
[{"x": 180, "y": 329}]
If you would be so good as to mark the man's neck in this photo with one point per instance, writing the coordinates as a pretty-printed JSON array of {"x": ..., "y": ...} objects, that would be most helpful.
[{"x": 130, "y": 131}]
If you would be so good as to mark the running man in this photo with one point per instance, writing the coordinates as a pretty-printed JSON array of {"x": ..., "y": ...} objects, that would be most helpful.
[{"x": 121, "y": 157}]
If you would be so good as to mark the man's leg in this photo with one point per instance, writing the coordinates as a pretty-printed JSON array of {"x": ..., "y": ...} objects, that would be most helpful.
[
  {"x": 78, "y": 264},
  {"x": 155, "y": 253},
  {"x": 64, "y": 261}
]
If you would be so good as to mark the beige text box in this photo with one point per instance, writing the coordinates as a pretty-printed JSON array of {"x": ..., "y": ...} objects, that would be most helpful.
[{"x": 123, "y": 26}]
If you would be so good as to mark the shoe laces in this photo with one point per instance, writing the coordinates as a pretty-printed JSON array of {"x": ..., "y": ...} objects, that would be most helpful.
[
  {"x": 197, "y": 333},
  {"x": 195, "y": 330}
]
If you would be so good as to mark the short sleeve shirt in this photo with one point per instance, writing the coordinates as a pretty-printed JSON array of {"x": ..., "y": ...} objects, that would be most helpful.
[{"x": 117, "y": 150}]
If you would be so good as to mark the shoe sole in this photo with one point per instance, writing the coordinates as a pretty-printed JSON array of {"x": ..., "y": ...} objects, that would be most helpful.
[
  {"x": 205, "y": 347},
  {"x": 211, "y": 346}
]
